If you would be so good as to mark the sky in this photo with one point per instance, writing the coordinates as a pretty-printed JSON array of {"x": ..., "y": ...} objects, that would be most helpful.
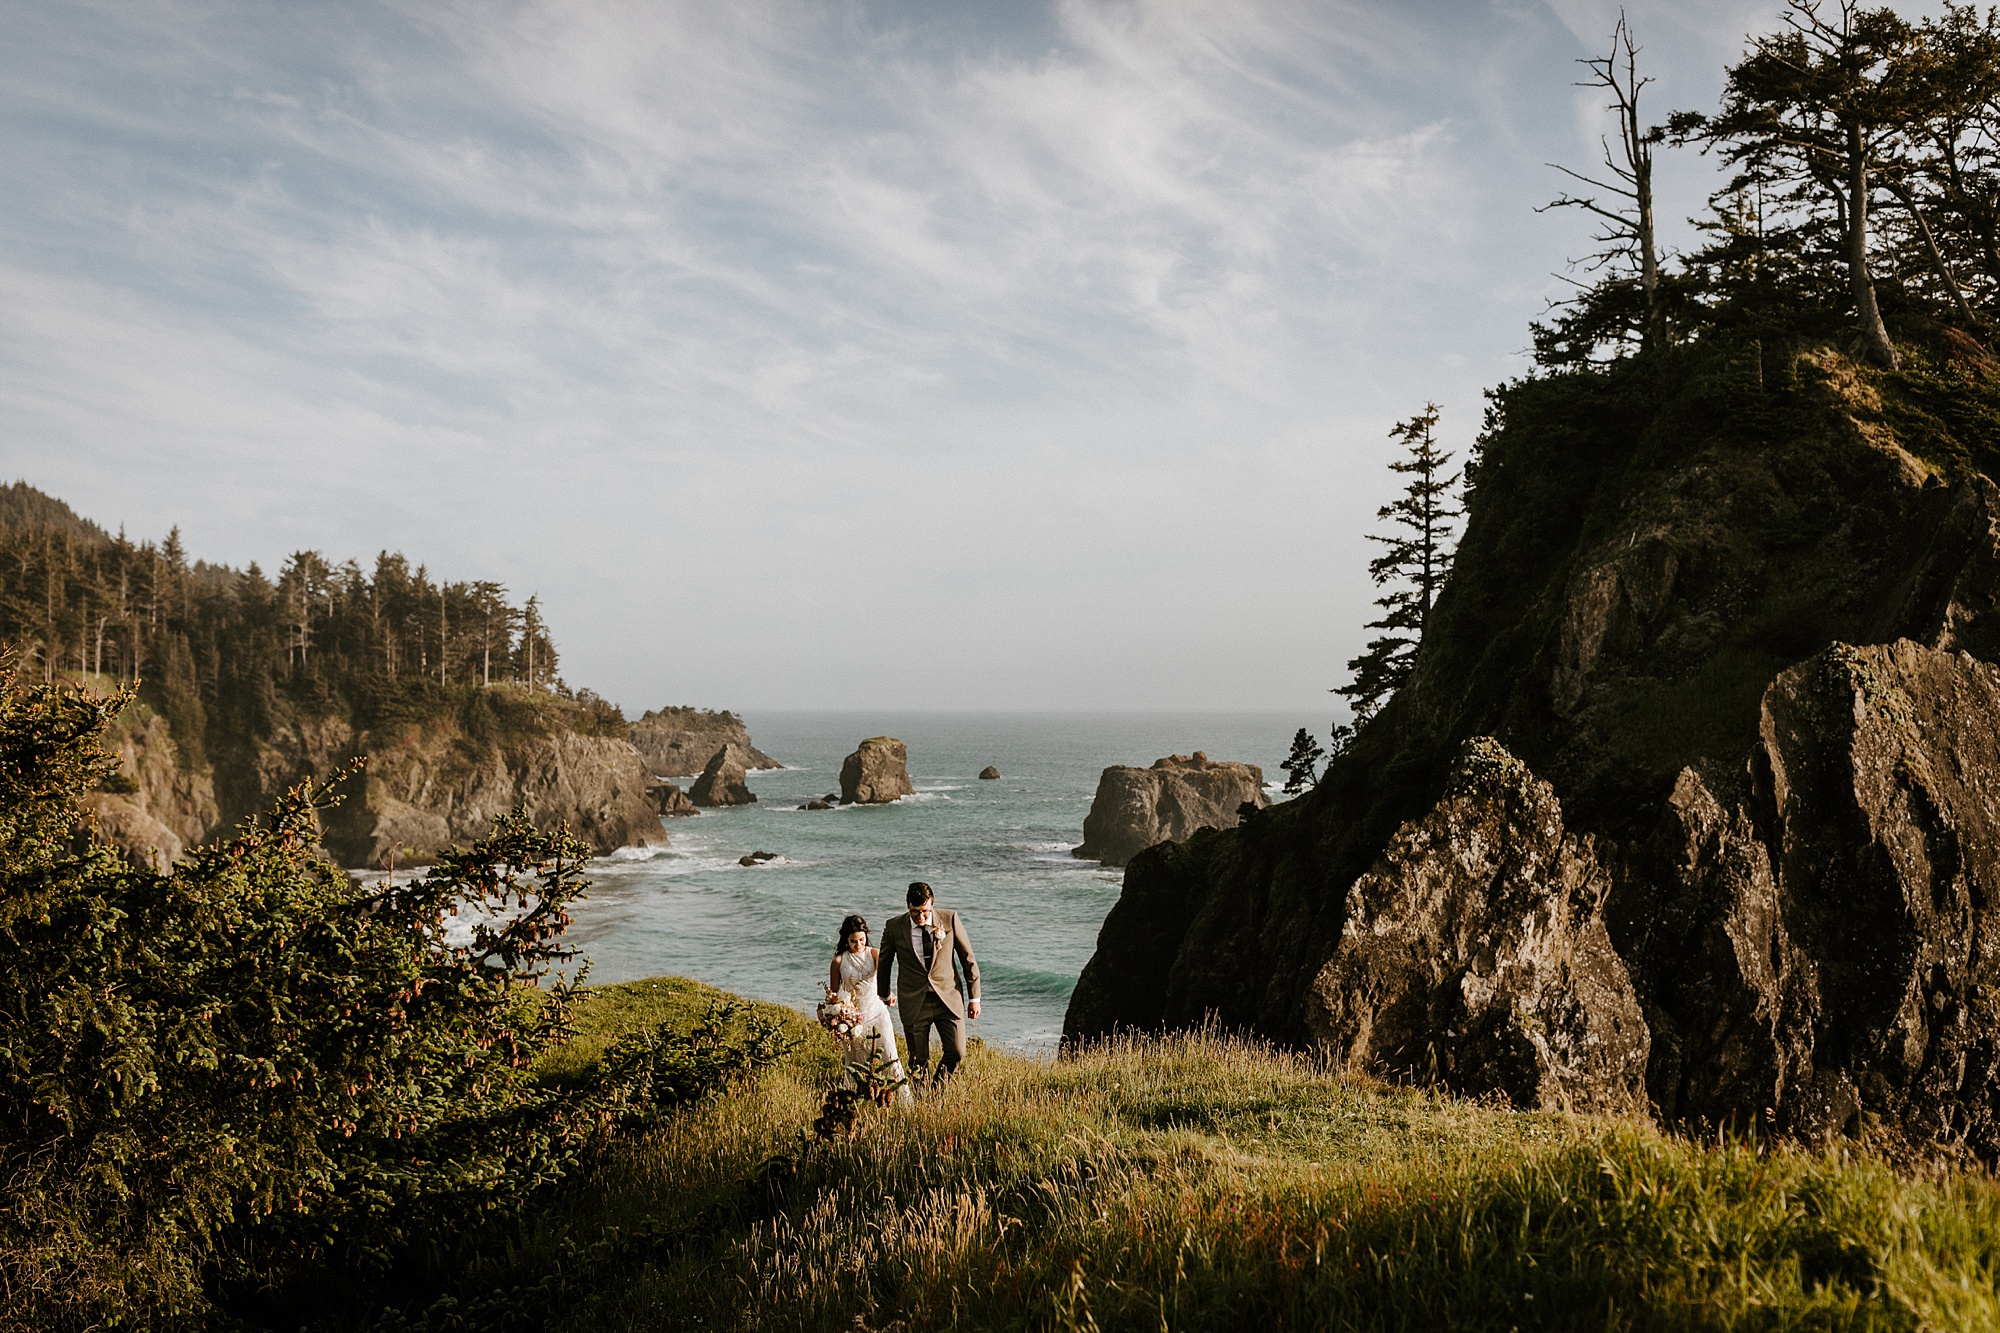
[{"x": 806, "y": 355}]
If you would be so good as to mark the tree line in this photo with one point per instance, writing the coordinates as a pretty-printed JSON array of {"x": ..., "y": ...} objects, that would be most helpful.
[
  {"x": 223, "y": 653},
  {"x": 1864, "y": 151}
]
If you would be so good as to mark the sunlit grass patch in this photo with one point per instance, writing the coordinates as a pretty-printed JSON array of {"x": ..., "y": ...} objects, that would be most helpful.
[
  {"x": 606, "y": 1013},
  {"x": 1203, "y": 1183}
]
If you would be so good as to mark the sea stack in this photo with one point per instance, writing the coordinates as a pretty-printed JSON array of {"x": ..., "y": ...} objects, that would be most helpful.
[
  {"x": 671, "y": 800},
  {"x": 876, "y": 773},
  {"x": 989, "y": 773},
  {"x": 1137, "y": 808},
  {"x": 721, "y": 782}
]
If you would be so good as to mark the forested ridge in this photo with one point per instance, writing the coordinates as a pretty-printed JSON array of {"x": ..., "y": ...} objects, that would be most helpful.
[{"x": 231, "y": 658}]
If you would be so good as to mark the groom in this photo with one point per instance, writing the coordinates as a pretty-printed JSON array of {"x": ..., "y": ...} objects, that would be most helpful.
[{"x": 921, "y": 944}]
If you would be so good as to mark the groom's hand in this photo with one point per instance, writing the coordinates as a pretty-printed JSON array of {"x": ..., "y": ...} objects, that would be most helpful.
[{"x": 972, "y": 1008}]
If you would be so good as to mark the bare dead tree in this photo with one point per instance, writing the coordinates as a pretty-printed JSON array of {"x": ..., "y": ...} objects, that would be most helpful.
[{"x": 1627, "y": 235}]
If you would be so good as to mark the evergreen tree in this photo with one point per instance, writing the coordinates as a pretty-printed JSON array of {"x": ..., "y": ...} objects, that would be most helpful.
[
  {"x": 1815, "y": 114},
  {"x": 537, "y": 658},
  {"x": 1948, "y": 183},
  {"x": 1300, "y": 768},
  {"x": 253, "y": 1078},
  {"x": 1413, "y": 565}
]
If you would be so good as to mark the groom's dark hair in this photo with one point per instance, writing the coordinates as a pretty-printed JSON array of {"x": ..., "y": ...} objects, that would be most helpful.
[{"x": 919, "y": 894}]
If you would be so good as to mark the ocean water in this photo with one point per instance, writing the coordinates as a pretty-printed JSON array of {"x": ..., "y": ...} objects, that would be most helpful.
[{"x": 997, "y": 852}]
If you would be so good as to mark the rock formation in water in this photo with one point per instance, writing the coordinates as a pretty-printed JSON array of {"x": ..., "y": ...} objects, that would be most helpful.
[
  {"x": 1137, "y": 808},
  {"x": 722, "y": 781},
  {"x": 678, "y": 742},
  {"x": 876, "y": 773},
  {"x": 989, "y": 773},
  {"x": 671, "y": 801},
  {"x": 1735, "y": 634}
]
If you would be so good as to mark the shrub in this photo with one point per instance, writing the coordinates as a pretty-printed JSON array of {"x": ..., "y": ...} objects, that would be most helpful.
[{"x": 249, "y": 1073}]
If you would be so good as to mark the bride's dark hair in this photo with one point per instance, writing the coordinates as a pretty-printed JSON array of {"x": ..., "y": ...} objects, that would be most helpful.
[{"x": 848, "y": 927}]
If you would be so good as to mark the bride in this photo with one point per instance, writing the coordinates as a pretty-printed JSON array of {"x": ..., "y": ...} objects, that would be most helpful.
[{"x": 851, "y": 979}]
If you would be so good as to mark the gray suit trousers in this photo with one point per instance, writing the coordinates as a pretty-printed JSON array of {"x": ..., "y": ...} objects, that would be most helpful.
[{"x": 918, "y": 1020}]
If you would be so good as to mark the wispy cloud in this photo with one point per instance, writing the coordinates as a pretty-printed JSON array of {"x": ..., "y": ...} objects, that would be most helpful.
[{"x": 1060, "y": 324}]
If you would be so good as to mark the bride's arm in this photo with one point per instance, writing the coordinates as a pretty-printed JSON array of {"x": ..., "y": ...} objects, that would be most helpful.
[{"x": 833, "y": 975}]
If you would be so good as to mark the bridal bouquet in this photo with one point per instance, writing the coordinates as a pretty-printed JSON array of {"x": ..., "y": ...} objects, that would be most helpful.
[{"x": 839, "y": 1017}]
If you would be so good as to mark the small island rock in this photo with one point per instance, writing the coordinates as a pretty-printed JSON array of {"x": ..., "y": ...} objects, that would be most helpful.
[
  {"x": 1137, "y": 808},
  {"x": 989, "y": 772},
  {"x": 817, "y": 805},
  {"x": 722, "y": 782},
  {"x": 876, "y": 773},
  {"x": 670, "y": 800}
]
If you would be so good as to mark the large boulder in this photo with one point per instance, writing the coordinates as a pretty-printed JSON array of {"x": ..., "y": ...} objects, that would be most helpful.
[
  {"x": 1730, "y": 999},
  {"x": 1818, "y": 955},
  {"x": 1475, "y": 954},
  {"x": 676, "y": 742},
  {"x": 876, "y": 773},
  {"x": 722, "y": 781},
  {"x": 1883, "y": 766},
  {"x": 1137, "y": 808}
]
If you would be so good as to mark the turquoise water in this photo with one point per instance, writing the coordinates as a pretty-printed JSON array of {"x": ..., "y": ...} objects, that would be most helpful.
[{"x": 995, "y": 851}]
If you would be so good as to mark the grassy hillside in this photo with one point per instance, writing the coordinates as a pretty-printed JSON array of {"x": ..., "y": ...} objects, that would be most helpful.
[{"x": 1200, "y": 1183}]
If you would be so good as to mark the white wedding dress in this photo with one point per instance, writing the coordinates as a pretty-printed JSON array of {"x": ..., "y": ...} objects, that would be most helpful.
[{"x": 875, "y": 1040}]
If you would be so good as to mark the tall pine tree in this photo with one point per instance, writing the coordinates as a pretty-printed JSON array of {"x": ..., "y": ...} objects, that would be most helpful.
[{"x": 1413, "y": 565}]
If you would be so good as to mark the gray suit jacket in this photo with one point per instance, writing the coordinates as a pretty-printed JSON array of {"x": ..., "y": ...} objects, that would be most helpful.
[{"x": 913, "y": 979}]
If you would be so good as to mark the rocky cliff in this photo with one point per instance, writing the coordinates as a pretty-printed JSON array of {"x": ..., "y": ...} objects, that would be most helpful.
[
  {"x": 1731, "y": 614},
  {"x": 423, "y": 791},
  {"x": 1136, "y": 808},
  {"x": 425, "y": 785},
  {"x": 165, "y": 804},
  {"x": 679, "y": 742}
]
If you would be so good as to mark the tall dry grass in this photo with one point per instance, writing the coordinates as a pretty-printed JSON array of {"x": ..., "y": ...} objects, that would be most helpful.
[{"x": 1204, "y": 1183}]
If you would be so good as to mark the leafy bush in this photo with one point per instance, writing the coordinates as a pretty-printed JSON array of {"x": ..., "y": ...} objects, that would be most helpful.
[{"x": 250, "y": 1075}]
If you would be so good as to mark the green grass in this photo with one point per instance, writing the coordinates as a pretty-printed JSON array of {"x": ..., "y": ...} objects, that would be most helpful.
[
  {"x": 1203, "y": 1183},
  {"x": 606, "y": 1013}
]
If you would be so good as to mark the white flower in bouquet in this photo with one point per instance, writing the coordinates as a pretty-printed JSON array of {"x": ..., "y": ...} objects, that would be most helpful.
[{"x": 839, "y": 1017}]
